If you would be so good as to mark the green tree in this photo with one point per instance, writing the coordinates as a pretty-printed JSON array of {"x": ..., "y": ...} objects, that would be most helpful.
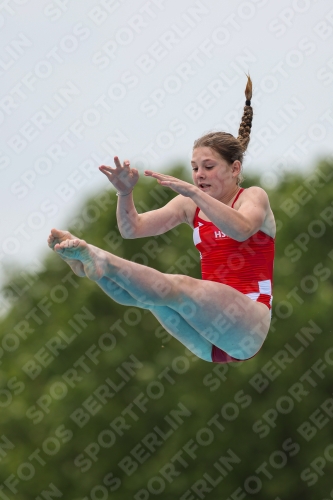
[{"x": 98, "y": 401}]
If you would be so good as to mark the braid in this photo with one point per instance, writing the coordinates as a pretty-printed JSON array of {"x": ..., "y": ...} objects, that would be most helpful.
[
  {"x": 246, "y": 123},
  {"x": 225, "y": 144}
]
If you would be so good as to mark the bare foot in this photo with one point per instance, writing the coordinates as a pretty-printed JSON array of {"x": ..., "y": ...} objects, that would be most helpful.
[
  {"x": 94, "y": 264},
  {"x": 56, "y": 237}
]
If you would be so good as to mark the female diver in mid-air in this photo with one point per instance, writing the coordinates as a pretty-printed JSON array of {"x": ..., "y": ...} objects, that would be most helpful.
[{"x": 226, "y": 315}]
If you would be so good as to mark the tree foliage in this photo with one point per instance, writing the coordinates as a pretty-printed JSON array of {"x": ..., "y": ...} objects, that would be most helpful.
[{"x": 98, "y": 401}]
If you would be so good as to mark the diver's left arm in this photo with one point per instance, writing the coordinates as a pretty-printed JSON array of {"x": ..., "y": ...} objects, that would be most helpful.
[{"x": 252, "y": 209}]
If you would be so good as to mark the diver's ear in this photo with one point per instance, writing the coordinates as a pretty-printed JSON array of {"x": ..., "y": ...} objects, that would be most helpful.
[{"x": 236, "y": 168}]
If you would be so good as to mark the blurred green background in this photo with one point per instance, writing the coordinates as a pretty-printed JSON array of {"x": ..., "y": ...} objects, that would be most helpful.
[{"x": 98, "y": 401}]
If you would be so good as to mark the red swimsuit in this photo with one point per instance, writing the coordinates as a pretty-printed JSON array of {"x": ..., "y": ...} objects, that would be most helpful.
[{"x": 246, "y": 265}]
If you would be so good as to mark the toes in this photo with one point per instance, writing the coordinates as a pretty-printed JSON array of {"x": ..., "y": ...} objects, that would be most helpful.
[
  {"x": 60, "y": 236},
  {"x": 58, "y": 233},
  {"x": 54, "y": 233},
  {"x": 67, "y": 244}
]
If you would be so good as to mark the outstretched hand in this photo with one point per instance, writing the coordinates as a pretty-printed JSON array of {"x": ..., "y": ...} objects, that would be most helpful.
[
  {"x": 122, "y": 177},
  {"x": 177, "y": 185}
]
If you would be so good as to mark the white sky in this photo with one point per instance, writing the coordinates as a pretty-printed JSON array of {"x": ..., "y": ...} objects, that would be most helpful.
[{"x": 82, "y": 81}]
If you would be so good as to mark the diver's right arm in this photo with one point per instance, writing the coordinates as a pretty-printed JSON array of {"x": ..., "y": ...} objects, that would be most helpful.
[
  {"x": 130, "y": 223},
  {"x": 134, "y": 225}
]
